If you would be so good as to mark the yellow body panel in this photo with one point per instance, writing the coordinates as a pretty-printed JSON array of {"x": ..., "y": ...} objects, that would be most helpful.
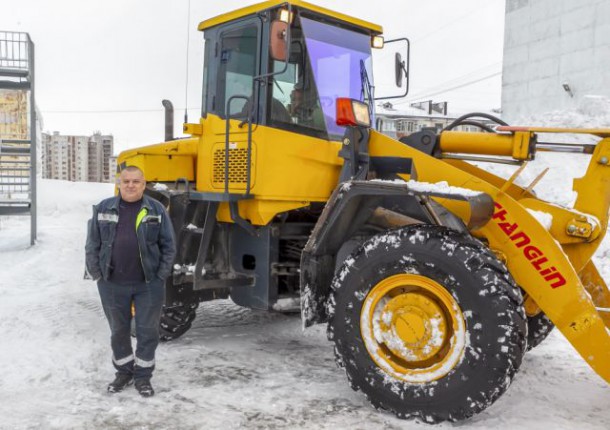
[
  {"x": 287, "y": 170},
  {"x": 250, "y": 10},
  {"x": 562, "y": 218},
  {"x": 259, "y": 212},
  {"x": 164, "y": 161}
]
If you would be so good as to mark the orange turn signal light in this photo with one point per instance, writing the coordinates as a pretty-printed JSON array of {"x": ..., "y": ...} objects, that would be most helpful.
[{"x": 353, "y": 113}]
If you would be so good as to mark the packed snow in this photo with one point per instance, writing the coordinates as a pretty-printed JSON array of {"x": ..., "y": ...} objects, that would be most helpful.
[
  {"x": 442, "y": 187},
  {"x": 236, "y": 368},
  {"x": 545, "y": 219}
]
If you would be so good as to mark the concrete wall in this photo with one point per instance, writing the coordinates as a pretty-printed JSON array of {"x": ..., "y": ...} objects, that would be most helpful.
[{"x": 549, "y": 43}]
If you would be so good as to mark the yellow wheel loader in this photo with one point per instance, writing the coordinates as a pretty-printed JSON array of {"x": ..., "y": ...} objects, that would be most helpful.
[{"x": 432, "y": 274}]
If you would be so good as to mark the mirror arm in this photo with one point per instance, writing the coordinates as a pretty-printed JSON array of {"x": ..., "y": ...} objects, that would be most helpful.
[
  {"x": 404, "y": 68},
  {"x": 287, "y": 52}
]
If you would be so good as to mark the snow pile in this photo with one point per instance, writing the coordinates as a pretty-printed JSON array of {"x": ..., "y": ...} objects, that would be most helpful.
[
  {"x": 441, "y": 187},
  {"x": 160, "y": 187},
  {"x": 597, "y": 108},
  {"x": 591, "y": 112}
]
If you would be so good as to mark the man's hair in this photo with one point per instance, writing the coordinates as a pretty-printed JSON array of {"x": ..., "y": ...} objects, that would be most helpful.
[
  {"x": 129, "y": 169},
  {"x": 132, "y": 169}
]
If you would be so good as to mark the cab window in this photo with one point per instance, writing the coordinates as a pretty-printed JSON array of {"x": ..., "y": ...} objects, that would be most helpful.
[
  {"x": 294, "y": 104},
  {"x": 237, "y": 66}
]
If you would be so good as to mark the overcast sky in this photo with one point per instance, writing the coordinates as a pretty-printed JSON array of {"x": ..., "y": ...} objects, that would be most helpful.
[{"x": 107, "y": 64}]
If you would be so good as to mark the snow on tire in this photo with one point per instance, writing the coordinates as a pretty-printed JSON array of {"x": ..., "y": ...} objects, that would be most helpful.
[{"x": 428, "y": 323}]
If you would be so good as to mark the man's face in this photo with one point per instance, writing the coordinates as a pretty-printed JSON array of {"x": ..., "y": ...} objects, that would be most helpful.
[{"x": 131, "y": 185}]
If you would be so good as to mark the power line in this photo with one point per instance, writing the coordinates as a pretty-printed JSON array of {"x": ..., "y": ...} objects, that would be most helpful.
[
  {"x": 450, "y": 23},
  {"x": 488, "y": 68},
  {"x": 459, "y": 80},
  {"x": 105, "y": 111},
  {"x": 463, "y": 85},
  {"x": 446, "y": 90}
]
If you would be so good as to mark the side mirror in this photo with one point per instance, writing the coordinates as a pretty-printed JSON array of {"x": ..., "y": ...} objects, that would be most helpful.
[
  {"x": 401, "y": 67},
  {"x": 398, "y": 68},
  {"x": 277, "y": 41}
]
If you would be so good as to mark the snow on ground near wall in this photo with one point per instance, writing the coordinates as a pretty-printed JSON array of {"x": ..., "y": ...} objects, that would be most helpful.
[{"x": 236, "y": 368}]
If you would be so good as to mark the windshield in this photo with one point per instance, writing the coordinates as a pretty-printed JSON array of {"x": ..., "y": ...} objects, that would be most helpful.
[{"x": 338, "y": 59}]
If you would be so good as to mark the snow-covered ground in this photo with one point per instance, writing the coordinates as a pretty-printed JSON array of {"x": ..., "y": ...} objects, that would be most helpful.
[{"x": 236, "y": 367}]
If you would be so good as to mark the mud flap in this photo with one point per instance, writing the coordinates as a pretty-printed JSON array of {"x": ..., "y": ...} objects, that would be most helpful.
[{"x": 350, "y": 206}]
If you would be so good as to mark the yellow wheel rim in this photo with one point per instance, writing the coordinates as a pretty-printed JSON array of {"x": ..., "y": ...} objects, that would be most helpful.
[{"x": 413, "y": 328}]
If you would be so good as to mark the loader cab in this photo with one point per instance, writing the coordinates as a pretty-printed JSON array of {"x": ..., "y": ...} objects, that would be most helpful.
[
  {"x": 272, "y": 75},
  {"x": 287, "y": 65}
]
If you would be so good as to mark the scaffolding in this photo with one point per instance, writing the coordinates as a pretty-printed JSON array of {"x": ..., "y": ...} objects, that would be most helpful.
[{"x": 17, "y": 128}]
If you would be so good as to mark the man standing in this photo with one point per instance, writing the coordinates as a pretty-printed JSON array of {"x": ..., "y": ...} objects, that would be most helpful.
[{"x": 130, "y": 250}]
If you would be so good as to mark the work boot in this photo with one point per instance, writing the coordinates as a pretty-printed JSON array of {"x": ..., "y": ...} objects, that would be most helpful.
[
  {"x": 121, "y": 381},
  {"x": 144, "y": 387}
]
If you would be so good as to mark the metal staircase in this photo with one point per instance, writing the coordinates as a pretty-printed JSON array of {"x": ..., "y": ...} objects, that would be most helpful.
[{"x": 17, "y": 127}]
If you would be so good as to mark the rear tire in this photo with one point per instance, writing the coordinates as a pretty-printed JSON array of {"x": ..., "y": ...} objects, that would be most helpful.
[
  {"x": 428, "y": 323},
  {"x": 176, "y": 320},
  {"x": 538, "y": 329}
]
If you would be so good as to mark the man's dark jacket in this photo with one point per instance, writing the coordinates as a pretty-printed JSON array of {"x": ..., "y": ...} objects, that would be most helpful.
[{"x": 155, "y": 239}]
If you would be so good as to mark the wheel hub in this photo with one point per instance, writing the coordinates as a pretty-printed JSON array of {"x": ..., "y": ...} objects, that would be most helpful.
[{"x": 413, "y": 328}]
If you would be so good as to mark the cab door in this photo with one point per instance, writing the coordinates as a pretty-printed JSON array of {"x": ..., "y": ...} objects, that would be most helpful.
[{"x": 233, "y": 96}]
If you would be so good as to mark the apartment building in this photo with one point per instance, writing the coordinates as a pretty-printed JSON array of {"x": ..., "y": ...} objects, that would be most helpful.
[{"x": 78, "y": 158}]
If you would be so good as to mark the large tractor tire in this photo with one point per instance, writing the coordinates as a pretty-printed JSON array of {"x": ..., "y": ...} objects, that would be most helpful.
[
  {"x": 176, "y": 320},
  {"x": 428, "y": 323}
]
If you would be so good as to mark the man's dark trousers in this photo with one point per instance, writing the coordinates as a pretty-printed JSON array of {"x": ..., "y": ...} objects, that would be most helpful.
[{"x": 116, "y": 301}]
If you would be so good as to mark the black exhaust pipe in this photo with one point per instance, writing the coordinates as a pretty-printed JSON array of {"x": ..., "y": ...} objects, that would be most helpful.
[{"x": 169, "y": 120}]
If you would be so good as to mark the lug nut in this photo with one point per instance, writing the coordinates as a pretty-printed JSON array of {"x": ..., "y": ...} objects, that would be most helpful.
[{"x": 603, "y": 160}]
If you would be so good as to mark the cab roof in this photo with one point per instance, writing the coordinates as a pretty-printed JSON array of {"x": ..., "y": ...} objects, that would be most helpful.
[{"x": 259, "y": 7}]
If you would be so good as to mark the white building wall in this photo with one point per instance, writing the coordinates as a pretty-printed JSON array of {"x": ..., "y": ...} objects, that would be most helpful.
[{"x": 549, "y": 43}]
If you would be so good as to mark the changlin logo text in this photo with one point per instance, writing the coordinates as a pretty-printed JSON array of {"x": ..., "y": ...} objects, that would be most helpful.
[{"x": 523, "y": 242}]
